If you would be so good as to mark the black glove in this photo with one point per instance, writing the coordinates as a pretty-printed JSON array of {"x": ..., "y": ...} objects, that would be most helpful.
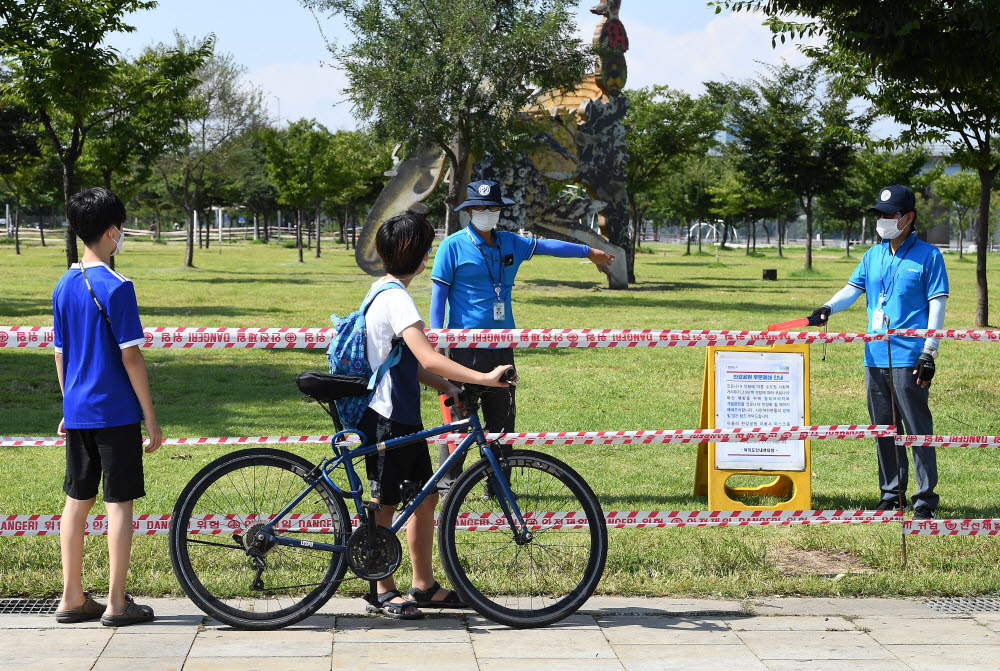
[
  {"x": 820, "y": 316},
  {"x": 925, "y": 368}
]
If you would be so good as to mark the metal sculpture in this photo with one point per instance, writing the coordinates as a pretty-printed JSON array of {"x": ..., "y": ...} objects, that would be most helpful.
[{"x": 583, "y": 142}]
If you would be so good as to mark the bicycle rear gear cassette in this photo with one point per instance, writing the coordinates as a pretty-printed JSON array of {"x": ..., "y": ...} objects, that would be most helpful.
[{"x": 374, "y": 556}]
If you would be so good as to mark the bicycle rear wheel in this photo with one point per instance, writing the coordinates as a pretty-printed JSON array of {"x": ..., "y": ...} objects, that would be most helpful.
[
  {"x": 517, "y": 583},
  {"x": 214, "y": 551}
]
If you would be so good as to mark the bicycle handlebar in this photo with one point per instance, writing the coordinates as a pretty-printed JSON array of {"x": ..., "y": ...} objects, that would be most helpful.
[{"x": 509, "y": 376}]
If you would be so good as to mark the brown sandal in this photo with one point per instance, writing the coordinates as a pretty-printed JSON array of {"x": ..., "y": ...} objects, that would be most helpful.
[
  {"x": 90, "y": 610},
  {"x": 133, "y": 614}
]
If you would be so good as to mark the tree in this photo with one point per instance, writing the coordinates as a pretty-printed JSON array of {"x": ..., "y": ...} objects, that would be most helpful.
[
  {"x": 455, "y": 75},
  {"x": 257, "y": 192},
  {"x": 960, "y": 192},
  {"x": 687, "y": 192},
  {"x": 220, "y": 108},
  {"x": 298, "y": 161},
  {"x": 793, "y": 133},
  {"x": 870, "y": 170},
  {"x": 875, "y": 168},
  {"x": 62, "y": 72},
  {"x": 127, "y": 141},
  {"x": 930, "y": 64},
  {"x": 356, "y": 172},
  {"x": 19, "y": 154},
  {"x": 664, "y": 126}
]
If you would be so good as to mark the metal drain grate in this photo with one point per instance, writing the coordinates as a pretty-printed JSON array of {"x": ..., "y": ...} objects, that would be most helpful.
[
  {"x": 964, "y": 605},
  {"x": 28, "y": 606}
]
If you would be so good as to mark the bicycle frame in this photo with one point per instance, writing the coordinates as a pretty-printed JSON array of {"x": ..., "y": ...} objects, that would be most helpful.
[{"x": 344, "y": 457}]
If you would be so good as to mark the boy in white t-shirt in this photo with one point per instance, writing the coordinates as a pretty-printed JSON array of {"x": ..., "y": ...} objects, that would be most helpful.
[{"x": 403, "y": 244}]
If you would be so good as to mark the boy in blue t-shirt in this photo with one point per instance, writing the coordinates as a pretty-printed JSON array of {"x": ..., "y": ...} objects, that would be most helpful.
[{"x": 106, "y": 396}]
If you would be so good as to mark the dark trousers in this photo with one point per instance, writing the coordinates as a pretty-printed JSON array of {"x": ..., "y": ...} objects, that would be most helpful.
[
  {"x": 913, "y": 417},
  {"x": 497, "y": 404}
]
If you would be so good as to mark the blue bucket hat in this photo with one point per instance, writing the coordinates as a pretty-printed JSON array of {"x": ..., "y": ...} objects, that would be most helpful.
[
  {"x": 893, "y": 199},
  {"x": 484, "y": 192}
]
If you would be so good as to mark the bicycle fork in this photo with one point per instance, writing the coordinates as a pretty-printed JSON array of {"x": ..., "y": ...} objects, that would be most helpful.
[{"x": 507, "y": 499}]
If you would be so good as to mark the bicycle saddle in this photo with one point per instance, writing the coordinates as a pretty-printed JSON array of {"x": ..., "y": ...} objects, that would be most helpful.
[{"x": 327, "y": 388}]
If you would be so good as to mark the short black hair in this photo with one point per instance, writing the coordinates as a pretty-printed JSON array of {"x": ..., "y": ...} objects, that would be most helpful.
[
  {"x": 402, "y": 242},
  {"x": 93, "y": 211}
]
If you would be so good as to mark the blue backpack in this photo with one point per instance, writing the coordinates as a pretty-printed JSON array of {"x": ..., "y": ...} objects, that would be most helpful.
[{"x": 348, "y": 356}]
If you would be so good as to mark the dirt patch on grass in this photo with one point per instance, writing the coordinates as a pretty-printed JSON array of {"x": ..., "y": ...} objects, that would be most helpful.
[{"x": 798, "y": 562}]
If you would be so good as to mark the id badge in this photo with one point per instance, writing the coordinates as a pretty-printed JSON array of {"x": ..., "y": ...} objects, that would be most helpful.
[
  {"x": 877, "y": 322},
  {"x": 498, "y": 310}
]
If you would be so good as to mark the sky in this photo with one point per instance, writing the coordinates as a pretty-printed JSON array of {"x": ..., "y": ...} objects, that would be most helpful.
[{"x": 678, "y": 43}]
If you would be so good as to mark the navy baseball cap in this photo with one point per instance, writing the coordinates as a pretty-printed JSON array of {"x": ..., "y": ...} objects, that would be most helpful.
[
  {"x": 893, "y": 199},
  {"x": 485, "y": 192}
]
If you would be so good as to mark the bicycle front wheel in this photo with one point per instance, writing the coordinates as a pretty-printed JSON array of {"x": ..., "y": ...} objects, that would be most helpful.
[
  {"x": 505, "y": 578},
  {"x": 222, "y": 566}
]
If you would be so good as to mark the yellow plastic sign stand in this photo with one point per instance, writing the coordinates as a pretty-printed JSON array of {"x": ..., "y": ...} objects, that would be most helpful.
[{"x": 795, "y": 486}]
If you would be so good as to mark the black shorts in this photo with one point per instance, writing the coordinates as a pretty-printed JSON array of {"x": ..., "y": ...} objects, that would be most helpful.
[
  {"x": 387, "y": 470},
  {"x": 115, "y": 452}
]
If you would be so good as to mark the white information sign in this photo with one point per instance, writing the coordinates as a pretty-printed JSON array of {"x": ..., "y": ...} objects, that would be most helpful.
[{"x": 759, "y": 389}]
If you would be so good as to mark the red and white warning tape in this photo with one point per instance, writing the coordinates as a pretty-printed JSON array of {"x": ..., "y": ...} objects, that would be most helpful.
[
  {"x": 949, "y": 441},
  {"x": 983, "y": 527},
  {"x": 311, "y": 338},
  {"x": 947, "y": 334},
  {"x": 147, "y": 525},
  {"x": 532, "y": 338},
  {"x": 739, "y": 435}
]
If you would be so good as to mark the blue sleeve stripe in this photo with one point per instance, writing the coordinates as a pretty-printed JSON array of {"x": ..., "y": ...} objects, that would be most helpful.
[
  {"x": 938, "y": 296},
  {"x": 857, "y": 286},
  {"x": 534, "y": 244}
]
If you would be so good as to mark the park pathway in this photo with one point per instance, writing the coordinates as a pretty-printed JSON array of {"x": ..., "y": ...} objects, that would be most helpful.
[{"x": 620, "y": 634}]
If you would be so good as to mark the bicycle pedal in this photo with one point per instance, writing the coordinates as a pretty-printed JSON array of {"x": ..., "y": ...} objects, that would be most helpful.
[{"x": 371, "y": 505}]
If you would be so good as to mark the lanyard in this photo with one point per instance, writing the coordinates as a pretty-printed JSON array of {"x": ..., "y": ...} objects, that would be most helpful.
[
  {"x": 498, "y": 281},
  {"x": 883, "y": 292},
  {"x": 94, "y": 296}
]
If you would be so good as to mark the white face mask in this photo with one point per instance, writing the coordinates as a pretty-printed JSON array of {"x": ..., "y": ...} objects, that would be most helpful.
[
  {"x": 888, "y": 228},
  {"x": 484, "y": 220},
  {"x": 119, "y": 243}
]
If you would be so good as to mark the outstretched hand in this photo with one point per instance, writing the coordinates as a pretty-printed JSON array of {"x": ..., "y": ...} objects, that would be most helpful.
[{"x": 601, "y": 259}]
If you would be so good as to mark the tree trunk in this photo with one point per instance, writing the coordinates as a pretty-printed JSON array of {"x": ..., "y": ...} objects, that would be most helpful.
[
  {"x": 779, "y": 225},
  {"x": 459, "y": 180},
  {"x": 807, "y": 208},
  {"x": 688, "y": 252},
  {"x": 961, "y": 235},
  {"x": 319, "y": 229},
  {"x": 189, "y": 238},
  {"x": 17, "y": 223},
  {"x": 725, "y": 235},
  {"x": 699, "y": 236},
  {"x": 767, "y": 232},
  {"x": 754, "y": 236},
  {"x": 847, "y": 243},
  {"x": 267, "y": 228},
  {"x": 69, "y": 186},
  {"x": 298, "y": 232},
  {"x": 747, "y": 252},
  {"x": 986, "y": 178},
  {"x": 41, "y": 225}
]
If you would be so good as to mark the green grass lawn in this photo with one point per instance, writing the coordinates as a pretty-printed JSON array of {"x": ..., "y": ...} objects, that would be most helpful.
[{"x": 240, "y": 392}]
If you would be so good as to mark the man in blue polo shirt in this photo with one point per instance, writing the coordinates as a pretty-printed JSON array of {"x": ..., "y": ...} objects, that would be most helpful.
[
  {"x": 906, "y": 286},
  {"x": 473, "y": 275}
]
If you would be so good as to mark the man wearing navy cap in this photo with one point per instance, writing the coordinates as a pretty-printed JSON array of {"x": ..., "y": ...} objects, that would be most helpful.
[
  {"x": 906, "y": 286},
  {"x": 474, "y": 271}
]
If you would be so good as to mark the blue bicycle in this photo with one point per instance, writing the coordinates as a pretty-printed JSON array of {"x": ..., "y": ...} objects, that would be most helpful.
[{"x": 261, "y": 538}]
